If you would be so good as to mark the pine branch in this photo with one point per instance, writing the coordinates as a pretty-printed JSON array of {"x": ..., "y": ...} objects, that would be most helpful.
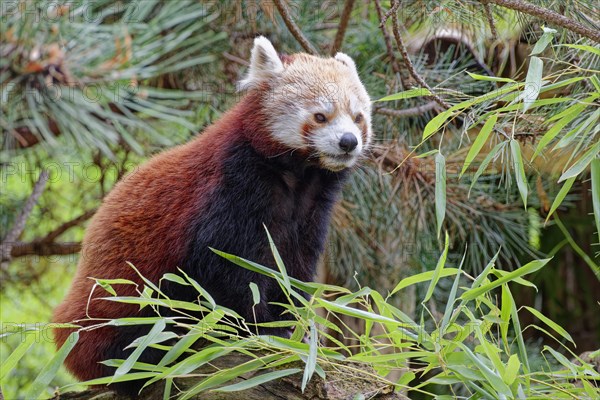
[
  {"x": 49, "y": 82},
  {"x": 388, "y": 41},
  {"x": 236, "y": 59},
  {"x": 50, "y": 237},
  {"x": 22, "y": 249},
  {"x": 341, "y": 32},
  {"x": 26, "y": 138},
  {"x": 548, "y": 16},
  {"x": 409, "y": 112},
  {"x": 17, "y": 228},
  {"x": 392, "y": 11},
  {"x": 490, "y": 18},
  {"x": 293, "y": 28},
  {"x": 47, "y": 246},
  {"x": 409, "y": 65}
]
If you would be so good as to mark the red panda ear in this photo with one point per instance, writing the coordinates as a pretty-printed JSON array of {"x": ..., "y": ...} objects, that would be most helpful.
[
  {"x": 346, "y": 60},
  {"x": 265, "y": 64}
]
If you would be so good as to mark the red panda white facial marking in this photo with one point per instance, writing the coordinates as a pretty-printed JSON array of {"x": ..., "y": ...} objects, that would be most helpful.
[
  {"x": 338, "y": 142},
  {"x": 317, "y": 106}
]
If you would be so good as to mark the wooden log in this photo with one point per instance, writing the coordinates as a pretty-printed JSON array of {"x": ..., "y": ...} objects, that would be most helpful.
[{"x": 348, "y": 380}]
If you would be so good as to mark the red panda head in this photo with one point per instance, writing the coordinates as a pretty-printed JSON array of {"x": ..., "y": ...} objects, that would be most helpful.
[{"x": 316, "y": 106}]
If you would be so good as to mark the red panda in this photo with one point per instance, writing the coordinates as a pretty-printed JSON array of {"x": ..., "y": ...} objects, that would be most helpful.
[{"x": 279, "y": 158}]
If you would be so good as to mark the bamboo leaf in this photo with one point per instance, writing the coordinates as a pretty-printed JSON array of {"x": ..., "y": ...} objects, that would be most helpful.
[
  {"x": 203, "y": 292},
  {"x": 11, "y": 361},
  {"x": 557, "y": 328},
  {"x": 132, "y": 376},
  {"x": 255, "y": 293},
  {"x": 543, "y": 41},
  {"x": 585, "y": 102},
  {"x": 407, "y": 94},
  {"x": 520, "y": 281},
  {"x": 175, "y": 278},
  {"x": 440, "y": 191},
  {"x": 279, "y": 262},
  {"x": 533, "y": 83},
  {"x": 228, "y": 374},
  {"x": 128, "y": 321},
  {"x": 505, "y": 310},
  {"x": 566, "y": 117},
  {"x": 156, "y": 330},
  {"x": 311, "y": 362},
  {"x": 258, "y": 380},
  {"x": 514, "y": 315},
  {"x": 355, "y": 312},
  {"x": 423, "y": 277},
  {"x": 535, "y": 104},
  {"x": 512, "y": 369},
  {"x": 564, "y": 83},
  {"x": 582, "y": 129},
  {"x": 252, "y": 266},
  {"x": 452, "y": 296},
  {"x": 50, "y": 370},
  {"x": 436, "y": 122},
  {"x": 486, "y": 271},
  {"x": 583, "y": 47},
  {"x": 562, "y": 359},
  {"x": 145, "y": 301},
  {"x": 438, "y": 270},
  {"x": 427, "y": 153},
  {"x": 491, "y": 376},
  {"x": 595, "y": 166},
  {"x": 478, "y": 77},
  {"x": 524, "y": 270},
  {"x": 591, "y": 391},
  {"x": 564, "y": 190},
  {"x": 180, "y": 347},
  {"x": 481, "y": 139},
  {"x": 347, "y": 298},
  {"x": 189, "y": 364},
  {"x": 582, "y": 163},
  {"x": 484, "y": 164},
  {"x": 518, "y": 166}
]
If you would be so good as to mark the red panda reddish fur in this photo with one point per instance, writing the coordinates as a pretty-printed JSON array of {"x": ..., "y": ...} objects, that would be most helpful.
[
  {"x": 215, "y": 191},
  {"x": 134, "y": 218}
]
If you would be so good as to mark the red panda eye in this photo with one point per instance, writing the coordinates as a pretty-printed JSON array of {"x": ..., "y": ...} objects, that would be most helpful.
[
  {"x": 320, "y": 118},
  {"x": 358, "y": 119}
]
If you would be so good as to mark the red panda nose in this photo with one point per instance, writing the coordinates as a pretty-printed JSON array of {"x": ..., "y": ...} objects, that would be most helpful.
[{"x": 348, "y": 142}]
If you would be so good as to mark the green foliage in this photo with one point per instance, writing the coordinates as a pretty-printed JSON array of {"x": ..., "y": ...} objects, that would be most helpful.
[
  {"x": 474, "y": 348},
  {"x": 24, "y": 312},
  {"x": 504, "y": 114},
  {"x": 87, "y": 73},
  {"x": 527, "y": 135}
]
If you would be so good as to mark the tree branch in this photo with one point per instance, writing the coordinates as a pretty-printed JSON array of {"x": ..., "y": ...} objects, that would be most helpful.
[
  {"x": 409, "y": 65},
  {"x": 23, "y": 249},
  {"x": 341, "y": 32},
  {"x": 548, "y": 16},
  {"x": 19, "y": 225},
  {"x": 490, "y": 18},
  {"x": 392, "y": 11},
  {"x": 26, "y": 138},
  {"x": 409, "y": 112},
  {"x": 388, "y": 41},
  {"x": 50, "y": 237},
  {"x": 293, "y": 28}
]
